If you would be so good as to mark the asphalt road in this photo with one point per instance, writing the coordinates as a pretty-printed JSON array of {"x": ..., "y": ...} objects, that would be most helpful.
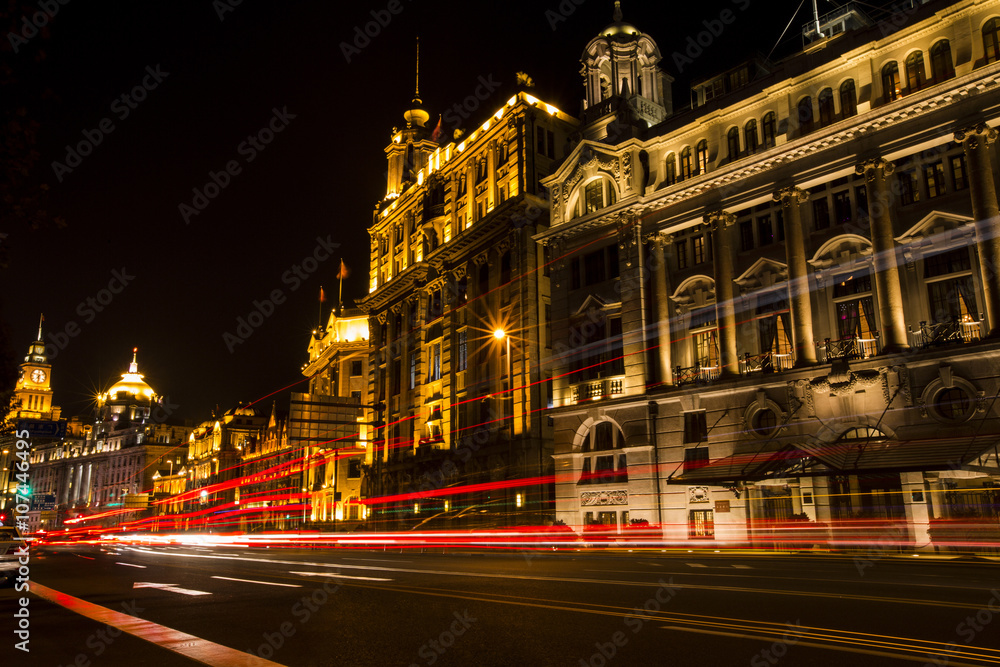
[{"x": 346, "y": 607}]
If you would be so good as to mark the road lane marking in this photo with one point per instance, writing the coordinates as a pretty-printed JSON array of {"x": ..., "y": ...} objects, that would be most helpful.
[
  {"x": 168, "y": 587},
  {"x": 196, "y": 648},
  {"x": 338, "y": 576},
  {"x": 582, "y": 580},
  {"x": 130, "y": 565},
  {"x": 252, "y": 581}
]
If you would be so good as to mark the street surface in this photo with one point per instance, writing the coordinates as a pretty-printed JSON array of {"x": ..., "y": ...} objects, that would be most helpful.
[{"x": 352, "y": 607}]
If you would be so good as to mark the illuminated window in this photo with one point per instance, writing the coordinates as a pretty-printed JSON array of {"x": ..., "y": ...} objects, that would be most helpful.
[
  {"x": 853, "y": 305},
  {"x": 698, "y": 243},
  {"x": 958, "y": 172},
  {"x": 686, "y": 167},
  {"x": 461, "y": 361},
  {"x": 701, "y": 524},
  {"x": 890, "y": 82},
  {"x": 680, "y": 250},
  {"x": 934, "y": 175},
  {"x": 701, "y": 156},
  {"x": 733, "y": 142}
]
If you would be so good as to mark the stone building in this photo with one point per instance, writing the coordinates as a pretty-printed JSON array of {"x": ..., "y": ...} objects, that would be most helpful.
[{"x": 782, "y": 304}]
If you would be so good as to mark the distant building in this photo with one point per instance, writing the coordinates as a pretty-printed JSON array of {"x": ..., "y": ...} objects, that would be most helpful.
[{"x": 781, "y": 306}]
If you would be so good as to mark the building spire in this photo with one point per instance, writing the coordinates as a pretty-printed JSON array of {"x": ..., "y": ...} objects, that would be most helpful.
[
  {"x": 41, "y": 318},
  {"x": 134, "y": 367},
  {"x": 618, "y": 11},
  {"x": 416, "y": 94}
]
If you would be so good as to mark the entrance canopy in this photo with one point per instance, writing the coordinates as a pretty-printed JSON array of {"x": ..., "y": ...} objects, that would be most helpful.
[{"x": 848, "y": 457}]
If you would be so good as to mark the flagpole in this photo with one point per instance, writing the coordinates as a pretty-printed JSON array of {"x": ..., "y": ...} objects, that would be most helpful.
[
  {"x": 340, "y": 293},
  {"x": 320, "y": 307}
]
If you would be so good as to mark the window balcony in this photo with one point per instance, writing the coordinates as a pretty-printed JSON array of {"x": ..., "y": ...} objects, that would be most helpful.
[
  {"x": 597, "y": 389},
  {"x": 696, "y": 373},
  {"x": 851, "y": 347},
  {"x": 769, "y": 362},
  {"x": 928, "y": 334}
]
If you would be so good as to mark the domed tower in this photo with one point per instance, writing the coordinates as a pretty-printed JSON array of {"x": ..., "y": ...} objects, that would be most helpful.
[
  {"x": 411, "y": 146},
  {"x": 623, "y": 81},
  {"x": 131, "y": 398},
  {"x": 34, "y": 382}
]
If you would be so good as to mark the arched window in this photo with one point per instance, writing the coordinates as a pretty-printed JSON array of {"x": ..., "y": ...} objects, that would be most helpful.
[
  {"x": 915, "y": 75},
  {"x": 848, "y": 99},
  {"x": 597, "y": 194},
  {"x": 770, "y": 127},
  {"x": 750, "y": 136},
  {"x": 733, "y": 142},
  {"x": 805, "y": 116},
  {"x": 686, "y": 170},
  {"x": 991, "y": 40},
  {"x": 942, "y": 67},
  {"x": 670, "y": 169},
  {"x": 603, "y": 462},
  {"x": 825, "y": 107},
  {"x": 701, "y": 156},
  {"x": 890, "y": 82}
]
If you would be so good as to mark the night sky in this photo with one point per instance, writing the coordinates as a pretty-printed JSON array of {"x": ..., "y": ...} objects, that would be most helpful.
[{"x": 210, "y": 84}]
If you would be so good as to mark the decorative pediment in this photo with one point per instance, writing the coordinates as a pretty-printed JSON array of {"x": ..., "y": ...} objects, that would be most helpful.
[
  {"x": 695, "y": 292},
  {"x": 842, "y": 250},
  {"x": 590, "y": 303},
  {"x": 938, "y": 228},
  {"x": 763, "y": 274}
]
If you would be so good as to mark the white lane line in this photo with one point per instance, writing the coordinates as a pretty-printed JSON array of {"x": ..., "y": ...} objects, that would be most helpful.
[
  {"x": 378, "y": 560},
  {"x": 196, "y": 648},
  {"x": 253, "y": 581},
  {"x": 169, "y": 587},
  {"x": 130, "y": 565},
  {"x": 339, "y": 576}
]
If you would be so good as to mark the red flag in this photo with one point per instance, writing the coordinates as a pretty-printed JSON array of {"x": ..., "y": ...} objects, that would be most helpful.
[
  {"x": 322, "y": 297},
  {"x": 344, "y": 271},
  {"x": 436, "y": 134}
]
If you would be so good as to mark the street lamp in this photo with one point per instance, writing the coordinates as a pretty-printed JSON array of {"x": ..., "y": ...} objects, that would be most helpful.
[{"x": 500, "y": 334}]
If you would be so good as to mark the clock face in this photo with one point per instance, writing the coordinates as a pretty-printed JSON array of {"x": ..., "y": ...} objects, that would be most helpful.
[{"x": 38, "y": 376}]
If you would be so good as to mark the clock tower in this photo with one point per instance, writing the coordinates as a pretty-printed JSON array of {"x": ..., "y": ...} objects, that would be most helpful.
[{"x": 34, "y": 384}]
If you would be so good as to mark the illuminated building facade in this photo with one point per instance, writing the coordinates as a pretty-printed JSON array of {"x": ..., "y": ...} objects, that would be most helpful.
[
  {"x": 458, "y": 307},
  {"x": 782, "y": 305},
  {"x": 337, "y": 451},
  {"x": 110, "y": 463},
  {"x": 214, "y": 455}
]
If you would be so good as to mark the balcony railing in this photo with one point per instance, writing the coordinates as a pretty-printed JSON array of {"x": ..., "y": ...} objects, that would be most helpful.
[
  {"x": 696, "y": 373},
  {"x": 852, "y": 347},
  {"x": 769, "y": 362},
  {"x": 597, "y": 389},
  {"x": 927, "y": 334}
]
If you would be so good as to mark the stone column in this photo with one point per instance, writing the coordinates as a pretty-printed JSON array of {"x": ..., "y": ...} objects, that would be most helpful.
[
  {"x": 799, "y": 300},
  {"x": 725, "y": 306},
  {"x": 660, "y": 274},
  {"x": 633, "y": 299},
  {"x": 976, "y": 141},
  {"x": 886, "y": 259}
]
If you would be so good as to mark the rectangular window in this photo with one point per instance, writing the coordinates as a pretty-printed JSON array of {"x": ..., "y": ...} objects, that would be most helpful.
[
  {"x": 821, "y": 213},
  {"x": 356, "y": 367},
  {"x": 780, "y": 216},
  {"x": 944, "y": 263},
  {"x": 434, "y": 361},
  {"x": 958, "y": 172},
  {"x": 695, "y": 457},
  {"x": 680, "y": 249},
  {"x": 702, "y": 524},
  {"x": 861, "y": 201},
  {"x": 463, "y": 350},
  {"x": 413, "y": 370},
  {"x": 613, "y": 268},
  {"x": 353, "y": 468},
  {"x": 841, "y": 207},
  {"x": 699, "y": 249},
  {"x": 909, "y": 188},
  {"x": 765, "y": 231},
  {"x": 746, "y": 235},
  {"x": 695, "y": 429},
  {"x": 934, "y": 175}
]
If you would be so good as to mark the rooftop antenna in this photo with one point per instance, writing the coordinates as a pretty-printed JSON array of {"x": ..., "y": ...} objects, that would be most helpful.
[
  {"x": 416, "y": 95},
  {"x": 816, "y": 19}
]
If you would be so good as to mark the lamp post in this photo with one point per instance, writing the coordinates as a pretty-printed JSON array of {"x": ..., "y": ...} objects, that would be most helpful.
[{"x": 500, "y": 334}]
